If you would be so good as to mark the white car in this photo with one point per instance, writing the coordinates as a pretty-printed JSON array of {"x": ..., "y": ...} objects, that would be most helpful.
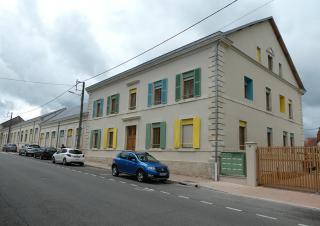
[{"x": 68, "y": 156}]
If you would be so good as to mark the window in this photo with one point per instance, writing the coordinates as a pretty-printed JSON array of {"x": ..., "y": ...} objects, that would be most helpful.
[
  {"x": 97, "y": 108},
  {"x": 53, "y": 134},
  {"x": 47, "y": 135},
  {"x": 26, "y": 136},
  {"x": 61, "y": 133},
  {"x": 268, "y": 99},
  {"x": 290, "y": 109},
  {"x": 132, "y": 99},
  {"x": 270, "y": 62},
  {"x": 21, "y": 138},
  {"x": 113, "y": 104},
  {"x": 284, "y": 138},
  {"x": 248, "y": 88},
  {"x": 242, "y": 134},
  {"x": 291, "y": 139},
  {"x": 156, "y": 135},
  {"x": 110, "y": 139},
  {"x": 282, "y": 101},
  {"x": 188, "y": 84},
  {"x": 95, "y": 138},
  {"x": 187, "y": 138},
  {"x": 258, "y": 54},
  {"x": 157, "y": 92},
  {"x": 187, "y": 133},
  {"x": 269, "y": 136},
  {"x": 280, "y": 69}
]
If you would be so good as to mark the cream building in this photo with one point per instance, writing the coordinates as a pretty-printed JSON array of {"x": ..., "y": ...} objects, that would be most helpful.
[{"x": 206, "y": 97}]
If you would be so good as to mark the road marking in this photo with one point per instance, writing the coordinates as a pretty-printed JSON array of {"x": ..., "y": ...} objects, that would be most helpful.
[
  {"x": 205, "y": 202},
  {"x": 73, "y": 170},
  {"x": 164, "y": 192},
  {"x": 303, "y": 225},
  {"x": 134, "y": 185},
  {"x": 102, "y": 177},
  {"x": 230, "y": 208},
  {"x": 122, "y": 182},
  {"x": 93, "y": 175},
  {"x": 86, "y": 173},
  {"x": 104, "y": 174},
  {"x": 148, "y": 189},
  {"x": 111, "y": 179},
  {"x": 183, "y": 197},
  {"x": 272, "y": 218}
]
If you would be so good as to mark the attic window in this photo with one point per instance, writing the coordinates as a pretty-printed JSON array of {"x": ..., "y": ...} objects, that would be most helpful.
[{"x": 270, "y": 62}]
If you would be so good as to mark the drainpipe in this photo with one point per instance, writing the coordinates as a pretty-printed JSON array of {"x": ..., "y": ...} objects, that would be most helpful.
[
  {"x": 216, "y": 162},
  {"x": 33, "y": 132}
]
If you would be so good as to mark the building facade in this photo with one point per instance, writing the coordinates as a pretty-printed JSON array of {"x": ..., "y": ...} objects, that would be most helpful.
[{"x": 209, "y": 96}]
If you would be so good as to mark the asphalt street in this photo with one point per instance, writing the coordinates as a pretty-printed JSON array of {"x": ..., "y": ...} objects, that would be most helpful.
[{"x": 37, "y": 192}]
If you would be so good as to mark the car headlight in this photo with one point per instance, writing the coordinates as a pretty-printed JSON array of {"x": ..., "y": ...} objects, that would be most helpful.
[{"x": 151, "y": 168}]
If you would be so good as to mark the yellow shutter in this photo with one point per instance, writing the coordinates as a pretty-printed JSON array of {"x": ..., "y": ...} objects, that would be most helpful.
[
  {"x": 177, "y": 128},
  {"x": 114, "y": 142},
  {"x": 282, "y": 104},
  {"x": 242, "y": 123},
  {"x": 196, "y": 132},
  {"x": 259, "y": 54},
  {"x": 105, "y": 138}
]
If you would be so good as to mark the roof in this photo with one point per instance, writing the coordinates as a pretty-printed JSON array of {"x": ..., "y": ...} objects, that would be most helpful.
[
  {"x": 14, "y": 121},
  {"x": 196, "y": 45},
  {"x": 68, "y": 113}
]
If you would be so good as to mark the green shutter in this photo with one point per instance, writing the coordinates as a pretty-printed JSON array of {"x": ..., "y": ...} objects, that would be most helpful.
[
  {"x": 162, "y": 135},
  {"x": 101, "y": 107},
  {"x": 148, "y": 135},
  {"x": 150, "y": 91},
  {"x": 94, "y": 109},
  {"x": 99, "y": 139},
  {"x": 164, "y": 90},
  {"x": 108, "y": 104},
  {"x": 91, "y": 138},
  {"x": 117, "y": 102},
  {"x": 178, "y": 87},
  {"x": 197, "y": 82}
]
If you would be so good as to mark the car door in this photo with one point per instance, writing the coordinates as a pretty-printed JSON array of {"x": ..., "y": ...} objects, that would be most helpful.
[
  {"x": 122, "y": 162},
  {"x": 132, "y": 164}
]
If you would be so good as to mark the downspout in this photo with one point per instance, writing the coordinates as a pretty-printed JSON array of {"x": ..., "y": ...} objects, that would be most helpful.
[
  {"x": 58, "y": 135},
  {"x": 216, "y": 163},
  {"x": 34, "y": 124}
]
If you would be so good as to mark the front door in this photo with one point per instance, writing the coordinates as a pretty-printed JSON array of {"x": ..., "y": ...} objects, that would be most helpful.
[{"x": 131, "y": 138}]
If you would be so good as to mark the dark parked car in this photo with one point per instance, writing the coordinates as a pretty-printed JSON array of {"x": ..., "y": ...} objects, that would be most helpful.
[
  {"x": 45, "y": 153},
  {"x": 28, "y": 149},
  {"x": 9, "y": 147},
  {"x": 141, "y": 164}
]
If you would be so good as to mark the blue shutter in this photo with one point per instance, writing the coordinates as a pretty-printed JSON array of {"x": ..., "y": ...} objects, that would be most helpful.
[
  {"x": 150, "y": 91},
  {"x": 197, "y": 82},
  {"x": 148, "y": 135},
  {"x": 108, "y": 104},
  {"x": 94, "y": 109},
  {"x": 164, "y": 91},
  {"x": 162, "y": 135}
]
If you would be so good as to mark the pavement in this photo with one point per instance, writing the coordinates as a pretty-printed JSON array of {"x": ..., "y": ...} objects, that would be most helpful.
[
  {"x": 37, "y": 192},
  {"x": 296, "y": 198}
]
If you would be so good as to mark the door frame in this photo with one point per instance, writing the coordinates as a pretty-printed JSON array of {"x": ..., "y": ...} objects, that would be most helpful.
[{"x": 126, "y": 137}]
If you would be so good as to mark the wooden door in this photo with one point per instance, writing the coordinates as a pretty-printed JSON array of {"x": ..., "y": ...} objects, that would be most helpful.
[{"x": 131, "y": 138}]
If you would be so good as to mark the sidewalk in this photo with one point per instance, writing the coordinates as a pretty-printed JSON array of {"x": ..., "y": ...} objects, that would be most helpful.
[{"x": 301, "y": 199}]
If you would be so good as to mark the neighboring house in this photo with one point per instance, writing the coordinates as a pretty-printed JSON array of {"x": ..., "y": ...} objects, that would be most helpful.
[
  {"x": 49, "y": 130},
  {"x": 318, "y": 137},
  {"x": 209, "y": 96}
]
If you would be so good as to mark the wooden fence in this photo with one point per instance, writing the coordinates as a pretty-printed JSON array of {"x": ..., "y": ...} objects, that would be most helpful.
[{"x": 295, "y": 168}]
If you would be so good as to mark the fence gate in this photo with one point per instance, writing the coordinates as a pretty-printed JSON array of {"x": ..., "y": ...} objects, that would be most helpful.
[{"x": 295, "y": 168}]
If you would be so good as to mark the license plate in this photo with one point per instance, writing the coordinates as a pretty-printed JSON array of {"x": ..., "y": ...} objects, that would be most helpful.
[
  {"x": 163, "y": 174},
  {"x": 77, "y": 156}
]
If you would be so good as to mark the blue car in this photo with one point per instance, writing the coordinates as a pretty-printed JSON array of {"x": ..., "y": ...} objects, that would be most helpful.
[{"x": 141, "y": 164}]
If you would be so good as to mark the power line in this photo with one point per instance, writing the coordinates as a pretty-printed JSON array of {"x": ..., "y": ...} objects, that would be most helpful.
[
  {"x": 35, "y": 82},
  {"x": 166, "y": 40}
]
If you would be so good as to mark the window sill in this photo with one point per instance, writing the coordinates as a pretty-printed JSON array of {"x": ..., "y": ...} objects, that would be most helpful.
[{"x": 187, "y": 99}]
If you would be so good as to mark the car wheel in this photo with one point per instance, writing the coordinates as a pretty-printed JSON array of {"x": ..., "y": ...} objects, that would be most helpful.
[
  {"x": 53, "y": 160},
  {"x": 115, "y": 171},
  {"x": 141, "y": 176},
  {"x": 64, "y": 162},
  {"x": 81, "y": 164}
]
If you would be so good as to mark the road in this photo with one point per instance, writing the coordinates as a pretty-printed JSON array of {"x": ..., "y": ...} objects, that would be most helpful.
[{"x": 37, "y": 192}]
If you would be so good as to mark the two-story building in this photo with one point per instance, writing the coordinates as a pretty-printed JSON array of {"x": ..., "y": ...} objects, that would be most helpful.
[{"x": 212, "y": 95}]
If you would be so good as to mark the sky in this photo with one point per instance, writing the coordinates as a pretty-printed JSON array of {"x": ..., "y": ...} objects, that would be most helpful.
[{"x": 61, "y": 41}]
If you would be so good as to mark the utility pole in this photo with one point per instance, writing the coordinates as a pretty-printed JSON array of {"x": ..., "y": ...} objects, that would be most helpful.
[
  {"x": 81, "y": 115},
  {"x": 10, "y": 122}
]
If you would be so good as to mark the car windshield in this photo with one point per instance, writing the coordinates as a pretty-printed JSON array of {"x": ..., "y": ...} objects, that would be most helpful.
[
  {"x": 145, "y": 157},
  {"x": 34, "y": 146},
  {"x": 77, "y": 152}
]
